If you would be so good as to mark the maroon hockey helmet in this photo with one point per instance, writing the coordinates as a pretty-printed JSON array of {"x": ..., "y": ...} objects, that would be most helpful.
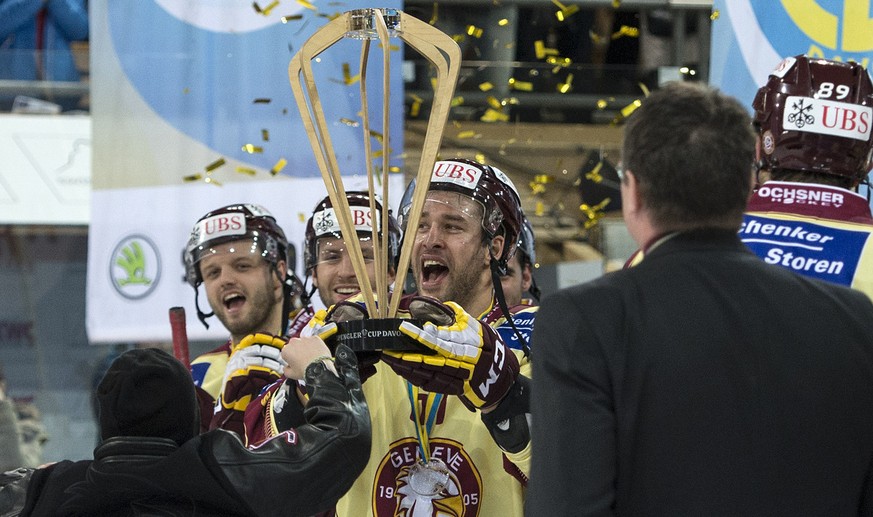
[
  {"x": 492, "y": 188},
  {"x": 815, "y": 115},
  {"x": 230, "y": 223},
  {"x": 324, "y": 223}
]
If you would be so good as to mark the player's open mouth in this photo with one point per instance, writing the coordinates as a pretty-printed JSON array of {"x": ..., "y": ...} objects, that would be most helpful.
[
  {"x": 234, "y": 301},
  {"x": 433, "y": 272}
]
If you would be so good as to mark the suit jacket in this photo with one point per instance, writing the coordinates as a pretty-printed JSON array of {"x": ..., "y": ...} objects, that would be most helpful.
[{"x": 703, "y": 382}]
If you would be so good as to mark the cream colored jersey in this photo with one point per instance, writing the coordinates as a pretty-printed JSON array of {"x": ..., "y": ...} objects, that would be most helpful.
[{"x": 484, "y": 482}]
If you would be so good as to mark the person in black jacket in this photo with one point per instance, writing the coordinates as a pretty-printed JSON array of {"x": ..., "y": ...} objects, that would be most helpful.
[
  {"x": 701, "y": 381},
  {"x": 153, "y": 462}
]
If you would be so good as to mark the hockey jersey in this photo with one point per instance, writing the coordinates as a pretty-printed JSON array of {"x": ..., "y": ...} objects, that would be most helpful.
[{"x": 815, "y": 230}]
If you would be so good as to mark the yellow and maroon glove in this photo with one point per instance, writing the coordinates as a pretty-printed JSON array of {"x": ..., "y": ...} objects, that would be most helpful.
[
  {"x": 254, "y": 363},
  {"x": 470, "y": 359}
]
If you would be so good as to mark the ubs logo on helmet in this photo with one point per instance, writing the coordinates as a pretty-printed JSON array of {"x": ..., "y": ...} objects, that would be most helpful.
[{"x": 135, "y": 267}]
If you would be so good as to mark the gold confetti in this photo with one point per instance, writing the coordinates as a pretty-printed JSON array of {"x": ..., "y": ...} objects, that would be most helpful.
[
  {"x": 256, "y": 7},
  {"x": 286, "y": 19},
  {"x": 645, "y": 89},
  {"x": 594, "y": 174},
  {"x": 715, "y": 14},
  {"x": 486, "y": 86},
  {"x": 625, "y": 30},
  {"x": 394, "y": 168},
  {"x": 616, "y": 3},
  {"x": 503, "y": 22},
  {"x": 213, "y": 181},
  {"x": 415, "y": 108},
  {"x": 474, "y": 31},
  {"x": 543, "y": 179},
  {"x": 433, "y": 16},
  {"x": 246, "y": 170},
  {"x": 466, "y": 134},
  {"x": 542, "y": 51},
  {"x": 524, "y": 86},
  {"x": 252, "y": 149},
  {"x": 377, "y": 135},
  {"x": 349, "y": 122},
  {"x": 307, "y": 5},
  {"x": 214, "y": 165},
  {"x": 186, "y": 91},
  {"x": 192, "y": 177},
  {"x": 459, "y": 38},
  {"x": 567, "y": 85},
  {"x": 279, "y": 166},
  {"x": 347, "y": 75},
  {"x": 540, "y": 209},
  {"x": 457, "y": 101},
  {"x": 493, "y": 102},
  {"x": 630, "y": 108},
  {"x": 481, "y": 158},
  {"x": 266, "y": 10},
  {"x": 602, "y": 104},
  {"x": 265, "y": 135},
  {"x": 492, "y": 115},
  {"x": 593, "y": 213},
  {"x": 262, "y": 100}
]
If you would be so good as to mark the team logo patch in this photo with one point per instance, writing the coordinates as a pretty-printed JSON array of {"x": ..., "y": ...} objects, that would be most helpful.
[
  {"x": 462, "y": 174},
  {"x": 394, "y": 497},
  {"x": 767, "y": 142},
  {"x": 135, "y": 267},
  {"x": 827, "y": 117},
  {"x": 326, "y": 222},
  {"x": 221, "y": 225}
]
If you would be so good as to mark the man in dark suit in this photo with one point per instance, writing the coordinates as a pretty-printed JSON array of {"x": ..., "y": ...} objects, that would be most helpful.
[{"x": 701, "y": 381}]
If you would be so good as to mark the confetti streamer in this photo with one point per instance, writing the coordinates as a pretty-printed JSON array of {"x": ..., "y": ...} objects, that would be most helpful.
[
  {"x": 193, "y": 177},
  {"x": 474, "y": 31},
  {"x": 262, "y": 100},
  {"x": 246, "y": 170},
  {"x": 524, "y": 86},
  {"x": 214, "y": 165},
  {"x": 286, "y": 19},
  {"x": 252, "y": 149},
  {"x": 307, "y": 5},
  {"x": 492, "y": 115},
  {"x": 279, "y": 166},
  {"x": 266, "y": 10}
]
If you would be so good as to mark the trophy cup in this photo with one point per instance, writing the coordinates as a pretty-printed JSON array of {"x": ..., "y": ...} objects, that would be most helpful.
[{"x": 380, "y": 331}]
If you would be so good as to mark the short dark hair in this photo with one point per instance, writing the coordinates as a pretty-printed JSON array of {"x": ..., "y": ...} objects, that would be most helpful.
[{"x": 691, "y": 149}]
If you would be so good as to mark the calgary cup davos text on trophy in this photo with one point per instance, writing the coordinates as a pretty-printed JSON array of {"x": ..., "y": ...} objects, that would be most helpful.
[{"x": 444, "y": 54}]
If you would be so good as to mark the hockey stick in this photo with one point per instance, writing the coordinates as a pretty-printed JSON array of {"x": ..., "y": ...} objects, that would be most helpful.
[{"x": 180, "y": 335}]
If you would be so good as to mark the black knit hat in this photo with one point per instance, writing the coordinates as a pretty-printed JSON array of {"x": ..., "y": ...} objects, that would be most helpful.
[{"x": 147, "y": 392}]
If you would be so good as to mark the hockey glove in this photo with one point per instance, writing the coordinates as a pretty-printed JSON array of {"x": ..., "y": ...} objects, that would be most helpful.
[
  {"x": 323, "y": 325},
  {"x": 254, "y": 363},
  {"x": 471, "y": 361}
]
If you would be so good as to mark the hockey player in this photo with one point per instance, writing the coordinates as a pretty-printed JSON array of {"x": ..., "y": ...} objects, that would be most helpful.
[
  {"x": 327, "y": 263},
  {"x": 815, "y": 136},
  {"x": 239, "y": 254},
  {"x": 519, "y": 277},
  {"x": 431, "y": 453}
]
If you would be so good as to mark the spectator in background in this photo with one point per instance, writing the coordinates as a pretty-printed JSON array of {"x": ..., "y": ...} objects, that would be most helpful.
[{"x": 36, "y": 36}]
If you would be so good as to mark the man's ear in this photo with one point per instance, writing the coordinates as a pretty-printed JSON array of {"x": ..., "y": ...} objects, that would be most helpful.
[
  {"x": 526, "y": 277},
  {"x": 497, "y": 245}
]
